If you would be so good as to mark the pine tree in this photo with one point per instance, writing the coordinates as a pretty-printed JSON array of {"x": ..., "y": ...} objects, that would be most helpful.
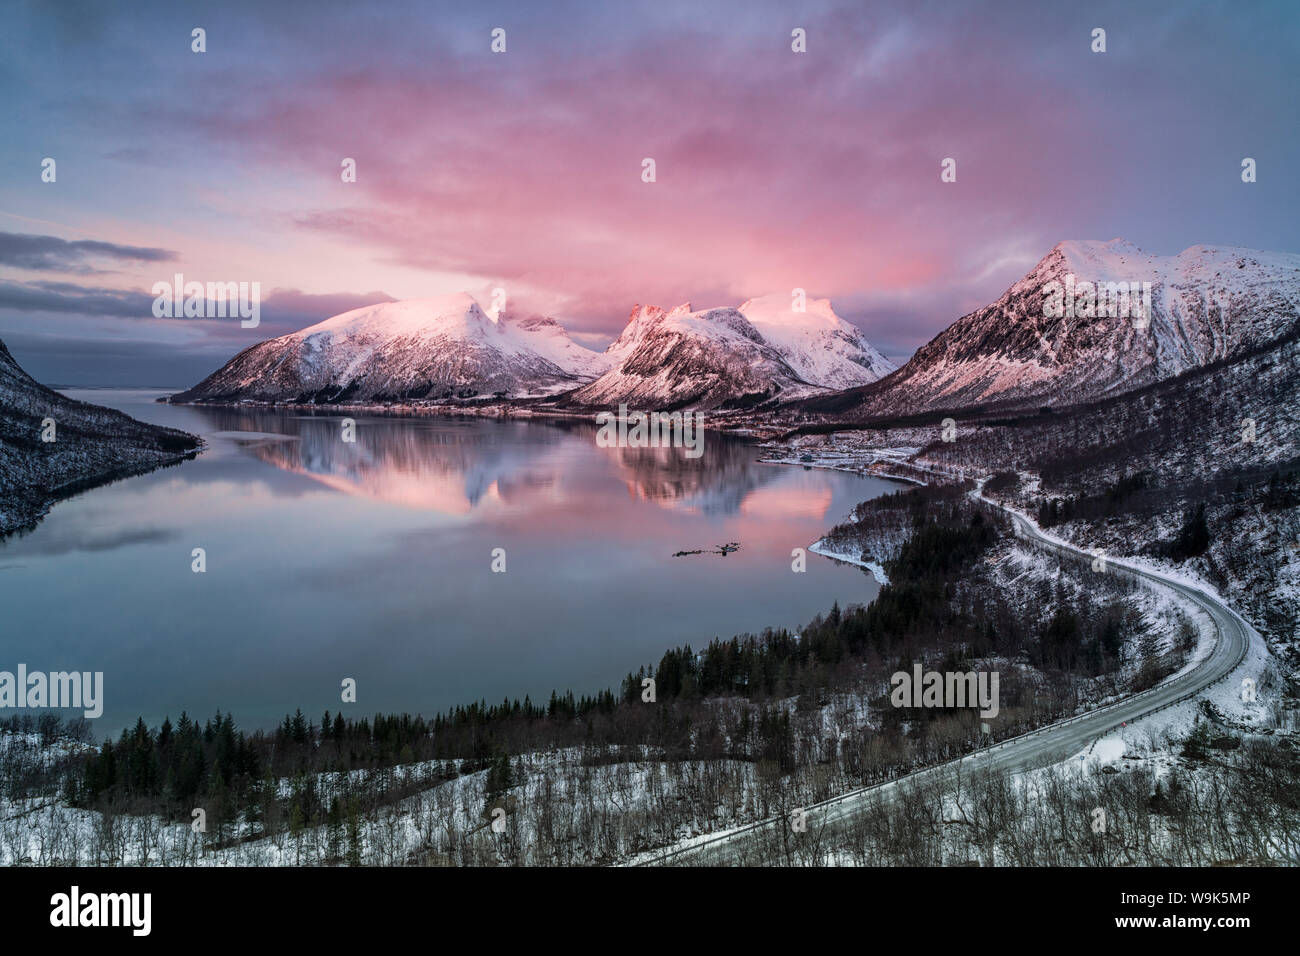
[
  {"x": 1194, "y": 538},
  {"x": 354, "y": 833},
  {"x": 1197, "y": 743},
  {"x": 500, "y": 777}
]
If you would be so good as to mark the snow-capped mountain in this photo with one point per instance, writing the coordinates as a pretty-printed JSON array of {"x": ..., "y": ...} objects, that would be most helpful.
[
  {"x": 1046, "y": 342},
  {"x": 549, "y": 339},
  {"x": 414, "y": 349},
  {"x": 823, "y": 348},
  {"x": 729, "y": 356},
  {"x": 702, "y": 359},
  {"x": 90, "y": 444}
]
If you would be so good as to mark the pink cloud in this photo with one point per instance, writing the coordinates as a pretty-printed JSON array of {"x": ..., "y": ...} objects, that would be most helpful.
[{"x": 773, "y": 171}]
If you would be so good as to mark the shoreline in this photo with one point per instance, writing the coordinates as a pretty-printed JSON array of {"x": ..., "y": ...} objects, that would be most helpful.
[
  {"x": 737, "y": 426},
  {"x": 877, "y": 571},
  {"x": 30, "y": 517}
]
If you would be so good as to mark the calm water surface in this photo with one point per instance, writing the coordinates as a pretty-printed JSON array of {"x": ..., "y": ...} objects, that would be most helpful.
[{"x": 372, "y": 560}]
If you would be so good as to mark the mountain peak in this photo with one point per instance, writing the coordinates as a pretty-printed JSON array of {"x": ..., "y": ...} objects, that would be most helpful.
[
  {"x": 533, "y": 321},
  {"x": 1092, "y": 259},
  {"x": 643, "y": 311},
  {"x": 720, "y": 355},
  {"x": 777, "y": 308},
  {"x": 823, "y": 348},
  {"x": 1118, "y": 245},
  {"x": 404, "y": 317},
  {"x": 435, "y": 348},
  {"x": 1203, "y": 305}
]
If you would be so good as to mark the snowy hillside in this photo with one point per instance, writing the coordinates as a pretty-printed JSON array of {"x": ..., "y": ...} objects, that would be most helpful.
[
  {"x": 702, "y": 359},
  {"x": 1207, "y": 303},
  {"x": 823, "y": 348},
  {"x": 415, "y": 349},
  {"x": 730, "y": 357},
  {"x": 550, "y": 340}
]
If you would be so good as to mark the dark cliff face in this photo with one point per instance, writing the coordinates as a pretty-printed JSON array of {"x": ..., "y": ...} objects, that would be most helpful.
[{"x": 91, "y": 445}]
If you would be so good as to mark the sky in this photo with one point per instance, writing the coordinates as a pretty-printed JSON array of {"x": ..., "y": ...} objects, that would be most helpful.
[{"x": 522, "y": 170}]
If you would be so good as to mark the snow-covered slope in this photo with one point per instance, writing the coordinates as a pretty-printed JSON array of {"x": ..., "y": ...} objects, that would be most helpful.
[
  {"x": 414, "y": 349},
  {"x": 699, "y": 359},
  {"x": 550, "y": 340},
  {"x": 91, "y": 445},
  {"x": 823, "y": 348},
  {"x": 729, "y": 356},
  {"x": 1207, "y": 303}
]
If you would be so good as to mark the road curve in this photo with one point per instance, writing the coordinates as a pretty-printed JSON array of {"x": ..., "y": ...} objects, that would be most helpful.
[{"x": 1039, "y": 748}]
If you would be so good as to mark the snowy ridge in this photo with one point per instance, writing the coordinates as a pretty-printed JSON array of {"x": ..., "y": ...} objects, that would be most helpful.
[
  {"x": 550, "y": 340},
  {"x": 448, "y": 347},
  {"x": 1208, "y": 303},
  {"x": 823, "y": 348},
  {"x": 733, "y": 357},
  {"x": 704, "y": 359}
]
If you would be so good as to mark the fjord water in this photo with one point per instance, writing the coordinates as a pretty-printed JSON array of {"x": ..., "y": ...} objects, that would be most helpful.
[{"x": 372, "y": 560}]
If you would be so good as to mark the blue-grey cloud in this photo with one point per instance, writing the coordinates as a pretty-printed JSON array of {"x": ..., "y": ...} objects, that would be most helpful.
[
  {"x": 52, "y": 254},
  {"x": 283, "y": 310},
  {"x": 63, "y": 297}
]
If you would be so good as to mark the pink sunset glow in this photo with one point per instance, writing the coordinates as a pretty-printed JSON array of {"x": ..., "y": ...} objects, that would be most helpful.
[{"x": 775, "y": 169}]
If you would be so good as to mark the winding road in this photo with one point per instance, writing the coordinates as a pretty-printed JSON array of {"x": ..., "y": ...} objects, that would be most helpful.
[{"x": 1039, "y": 748}]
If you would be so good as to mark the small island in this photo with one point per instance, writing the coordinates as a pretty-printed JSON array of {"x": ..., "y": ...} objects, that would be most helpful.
[{"x": 722, "y": 549}]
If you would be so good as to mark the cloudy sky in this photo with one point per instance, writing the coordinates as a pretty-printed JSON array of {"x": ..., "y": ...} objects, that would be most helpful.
[{"x": 523, "y": 170}]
